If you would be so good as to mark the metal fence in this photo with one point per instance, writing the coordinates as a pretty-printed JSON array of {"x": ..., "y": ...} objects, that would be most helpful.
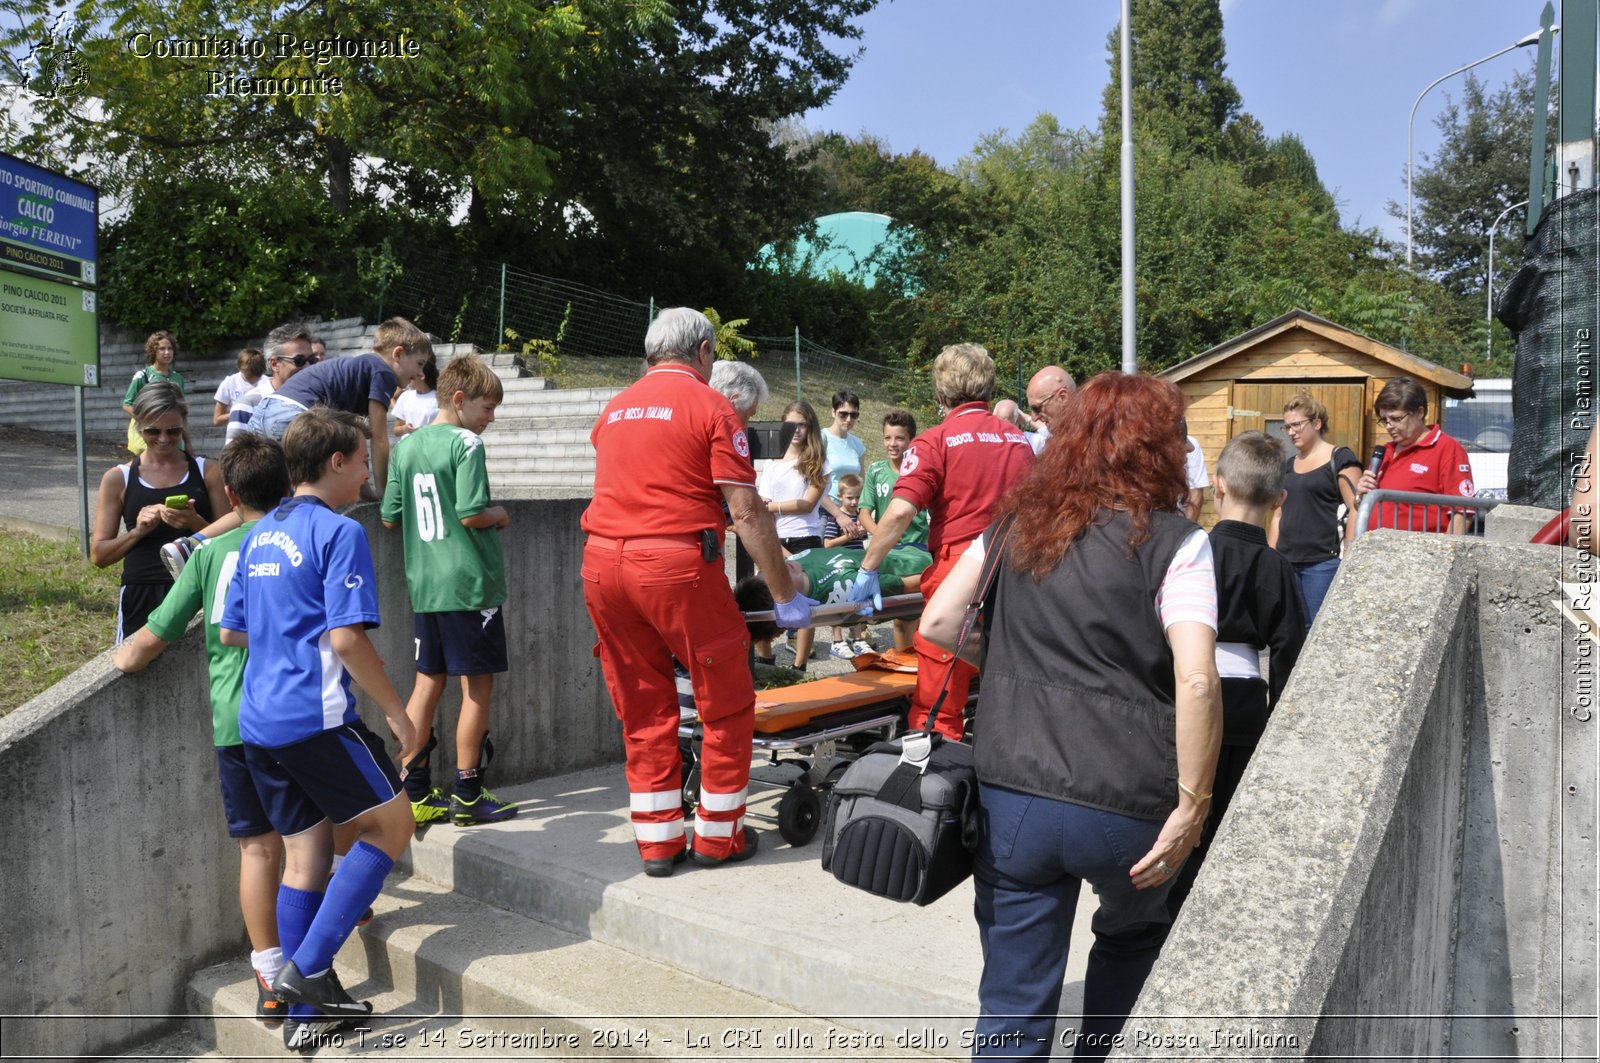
[{"x": 1416, "y": 511}]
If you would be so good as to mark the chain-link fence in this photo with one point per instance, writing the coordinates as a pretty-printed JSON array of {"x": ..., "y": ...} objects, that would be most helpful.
[{"x": 601, "y": 336}]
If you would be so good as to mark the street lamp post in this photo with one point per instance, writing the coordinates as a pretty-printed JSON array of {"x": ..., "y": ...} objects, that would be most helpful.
[
  {"x": 1532, "y": 38},
  {"x": 1488, "y": 285}
]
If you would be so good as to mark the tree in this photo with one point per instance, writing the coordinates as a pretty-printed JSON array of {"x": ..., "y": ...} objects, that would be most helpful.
[
  {"x": 1182, "y": 94},
  {"x": 1479, "y": 170}
]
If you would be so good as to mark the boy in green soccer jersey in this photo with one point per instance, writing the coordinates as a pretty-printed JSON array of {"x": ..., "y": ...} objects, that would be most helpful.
[
  {"x": 256, "y": 479},
  {"x": 899, "y": 429},
  {"x": 826, "y": 575},
  {"x": 438, "y": 491}
]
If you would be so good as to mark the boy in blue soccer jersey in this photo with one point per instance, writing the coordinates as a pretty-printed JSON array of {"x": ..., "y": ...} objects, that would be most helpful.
[
  {"x": 301, "y": 599},
  {"x": 438, "y": 494}
]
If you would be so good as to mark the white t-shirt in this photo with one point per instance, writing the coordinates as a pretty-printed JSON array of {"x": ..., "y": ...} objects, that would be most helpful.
[
  {"x": 415, "y": 410},
  {"x": 1038, "y": 438},
  {"x": 231, "y": 388},
  {"x": 1196, "y": 466},
  {"x": 244, "y": 407},
  {"x": 781, "y": 481}
]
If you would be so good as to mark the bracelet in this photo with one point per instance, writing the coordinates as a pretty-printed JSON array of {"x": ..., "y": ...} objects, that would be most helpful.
[{"x": 1191, "y": 793}]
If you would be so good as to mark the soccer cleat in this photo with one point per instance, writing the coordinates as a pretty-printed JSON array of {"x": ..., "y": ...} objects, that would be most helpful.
[
  {"x": 861, "y": 646},
  {"x": 306, "y": 1035},
  {"x": 175, "y": 554},
  {"x": 751, "y": 840},
  {"x": 843, "y": 650},
  {"x": 430, "y": 809},
  {"x": 366, "y": 917},
  {"x": 662, "y": 866},
  {"x": 270, "y": 1007},
  {"x": 486, "y": 808},
  {"x": 323, "y": 992}
]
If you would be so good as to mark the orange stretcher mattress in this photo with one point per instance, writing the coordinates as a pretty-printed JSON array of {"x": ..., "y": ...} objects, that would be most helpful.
[{"x": 786, "y": 708}]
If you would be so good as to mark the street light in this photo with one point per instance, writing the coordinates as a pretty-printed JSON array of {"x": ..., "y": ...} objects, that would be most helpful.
[
  {"x": 1488, "y": 313},
  {"x": 1532, "y": 38}
]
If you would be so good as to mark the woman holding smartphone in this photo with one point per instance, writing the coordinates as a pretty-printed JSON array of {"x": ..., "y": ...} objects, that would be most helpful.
[{"x": 150, "y": 501}]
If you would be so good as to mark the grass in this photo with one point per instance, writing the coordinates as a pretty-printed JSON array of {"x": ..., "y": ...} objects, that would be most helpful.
[{"x": 56, "y": 612}]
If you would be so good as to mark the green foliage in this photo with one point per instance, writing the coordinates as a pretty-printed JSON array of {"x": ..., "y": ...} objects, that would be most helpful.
[
  {"x": 1479, "y": 169},
  {"x": 1182, "y": 94},
  {"x": 731, "y": 343},
  {"x": 545, "y": 352}
]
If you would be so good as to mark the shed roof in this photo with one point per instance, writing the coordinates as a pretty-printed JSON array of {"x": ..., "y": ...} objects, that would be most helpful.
[{"x": 1448, "y": 380}]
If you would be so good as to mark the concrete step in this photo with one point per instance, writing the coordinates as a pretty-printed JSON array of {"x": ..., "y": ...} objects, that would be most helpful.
[
  {"x": 456, "y": 978},
  {"x": 506, "y": 453},
  {"x": 499, "y": 435},
  {"x": 513, "y": 422},
  {"x": 517, "y": 483},
  {"x": 777, "y": 926}
]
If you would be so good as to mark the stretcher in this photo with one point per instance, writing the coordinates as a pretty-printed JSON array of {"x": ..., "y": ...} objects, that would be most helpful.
[{"x": 812, "y": 731}]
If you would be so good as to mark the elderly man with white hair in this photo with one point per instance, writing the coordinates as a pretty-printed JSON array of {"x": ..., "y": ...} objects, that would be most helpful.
[{"x": 668, "y": 451}]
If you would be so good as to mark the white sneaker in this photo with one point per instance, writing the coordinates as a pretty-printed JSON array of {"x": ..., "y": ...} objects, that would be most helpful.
[
  {"x": 843, "y": 651},
  {"x": 862, "y": 646}
]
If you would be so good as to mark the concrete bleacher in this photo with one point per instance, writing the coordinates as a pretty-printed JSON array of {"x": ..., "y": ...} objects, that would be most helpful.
[{"x": 538, "y": 444}]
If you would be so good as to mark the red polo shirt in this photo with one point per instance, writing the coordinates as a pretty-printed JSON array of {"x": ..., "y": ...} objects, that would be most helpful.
[
  {"x": 959, "y": 469},
  {"x": 663, "y": 449},
  {"x": 1435, "y": 464}
]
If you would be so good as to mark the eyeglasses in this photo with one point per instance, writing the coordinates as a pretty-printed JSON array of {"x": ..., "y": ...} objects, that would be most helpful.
[
  {"x": 1294, "y": 426},
  {"x": 157, "y": 433},
  {"x": 848, "y": 414},
  {"x": 300, "y": 360},
  {"x": 1393, "y": 419},
  {"x": 1035, "y": 407}
]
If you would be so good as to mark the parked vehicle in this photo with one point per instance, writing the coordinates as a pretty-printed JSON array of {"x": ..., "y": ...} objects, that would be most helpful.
[{"x": 1482, "y": 424}]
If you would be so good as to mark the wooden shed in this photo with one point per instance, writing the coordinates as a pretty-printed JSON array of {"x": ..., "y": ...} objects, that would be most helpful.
[{"x": 1242, "y": 384}]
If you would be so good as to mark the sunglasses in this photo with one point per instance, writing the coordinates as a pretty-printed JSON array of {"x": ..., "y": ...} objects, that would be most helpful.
[
  {"x": 157, "y": 433},
  {"x": 300, "y": 360},
  {"x": 848, "y": 414}
]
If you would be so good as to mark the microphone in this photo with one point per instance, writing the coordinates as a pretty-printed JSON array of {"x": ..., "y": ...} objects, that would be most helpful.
[{"x": 1377, "y": 459}]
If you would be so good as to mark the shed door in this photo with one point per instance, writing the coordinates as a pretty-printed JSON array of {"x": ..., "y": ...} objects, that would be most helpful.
[{"x": 1260, "y": 407}]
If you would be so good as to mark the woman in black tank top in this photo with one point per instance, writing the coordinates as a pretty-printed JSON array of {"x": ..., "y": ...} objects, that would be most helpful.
[
  {"x": 132, "y": 520},
  {"x": 1319, "y": 479}
]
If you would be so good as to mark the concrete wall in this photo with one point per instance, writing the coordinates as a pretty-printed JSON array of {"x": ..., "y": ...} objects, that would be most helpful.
[
  {"x": 118, "y": 876},
  {"x": 1409, "y": 870}
]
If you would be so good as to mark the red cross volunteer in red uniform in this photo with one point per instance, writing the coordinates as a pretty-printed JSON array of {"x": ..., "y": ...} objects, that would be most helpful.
[
  {"x": 957, "y": 471},
  {"x": 1421, "y": 458},
  {"x": 668, "y": 451}
]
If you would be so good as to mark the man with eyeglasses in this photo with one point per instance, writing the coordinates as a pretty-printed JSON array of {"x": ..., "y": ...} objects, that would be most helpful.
[
  {"x": 289, "y": 349},
  {"x": 1048, "y": 392}
]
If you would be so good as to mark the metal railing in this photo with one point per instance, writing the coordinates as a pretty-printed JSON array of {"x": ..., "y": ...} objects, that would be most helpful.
[{"x": 1417, "y": 511}]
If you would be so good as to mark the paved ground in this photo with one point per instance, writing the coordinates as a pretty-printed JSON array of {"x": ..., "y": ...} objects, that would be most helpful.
[{"x": 39, "y": 480}]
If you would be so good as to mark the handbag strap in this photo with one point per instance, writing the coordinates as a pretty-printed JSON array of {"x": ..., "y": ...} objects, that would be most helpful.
[{"x": 991, "y": 569}]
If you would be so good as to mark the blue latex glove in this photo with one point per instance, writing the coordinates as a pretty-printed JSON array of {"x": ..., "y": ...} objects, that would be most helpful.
[
  {"x": 794, "y": 613},
  {"x": 866, "y": 588}
]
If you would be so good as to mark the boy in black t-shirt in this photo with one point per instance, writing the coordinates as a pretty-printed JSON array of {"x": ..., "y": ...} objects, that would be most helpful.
[{"x": 1258, "y": 608}]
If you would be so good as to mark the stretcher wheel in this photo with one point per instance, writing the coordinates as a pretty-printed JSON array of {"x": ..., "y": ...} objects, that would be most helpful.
[
  {"x": 691, "y": 788},
  {"x": 799, "y": 814}
]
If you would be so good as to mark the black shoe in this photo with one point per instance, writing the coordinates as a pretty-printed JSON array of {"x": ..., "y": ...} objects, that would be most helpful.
[
  {"x": 661, "y": 866},
  {"x": 768, "y": 661},
  {"x": 322, "y": 992},
  {"x": 751, "y": 840},
  {"x": 270, "y": 1007},
  {"x": 308, "y": 1035}
]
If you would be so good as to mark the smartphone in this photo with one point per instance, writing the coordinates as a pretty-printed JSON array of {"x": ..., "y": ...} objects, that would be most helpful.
[{"x": 177, "y": 502}]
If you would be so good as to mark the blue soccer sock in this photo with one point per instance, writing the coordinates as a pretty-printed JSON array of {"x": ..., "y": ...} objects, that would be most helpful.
[
  {"x": 297, "y": 909},
  {"x": 351, "y": 891}
]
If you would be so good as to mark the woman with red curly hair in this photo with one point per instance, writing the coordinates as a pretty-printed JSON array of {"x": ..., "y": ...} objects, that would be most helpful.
[{"x": 1100, "y": 718}]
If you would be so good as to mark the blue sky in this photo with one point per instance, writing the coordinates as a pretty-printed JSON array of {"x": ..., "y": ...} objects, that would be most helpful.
[{"x": 1342, "y": 74}]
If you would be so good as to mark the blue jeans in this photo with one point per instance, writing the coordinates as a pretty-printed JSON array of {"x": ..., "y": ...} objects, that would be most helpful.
[
  {"x": 1032, "y": 854},
  {"x": 272, "y": 417},
  {"x": 1315, "y": 579}
]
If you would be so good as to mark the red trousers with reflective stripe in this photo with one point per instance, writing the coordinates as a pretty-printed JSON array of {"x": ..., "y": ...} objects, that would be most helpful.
[
  {"x": 648, "y": 605},
  {"x": 933, "y": 663}
]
